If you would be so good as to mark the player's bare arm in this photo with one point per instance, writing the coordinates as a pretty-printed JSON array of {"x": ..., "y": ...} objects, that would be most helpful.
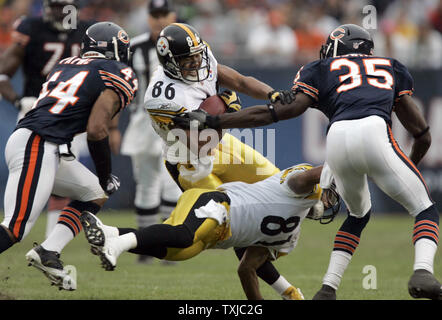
[
  {"x": 106, "y": 106},
  {"x": 233, "y": 80},
  {"x": 115, "y": 135},
  {"x": 305, "y": 181},
  {"x": 252, "y": 259},
  {"x": 10, "y": 61},
  {"x": 412, "y": 119}
]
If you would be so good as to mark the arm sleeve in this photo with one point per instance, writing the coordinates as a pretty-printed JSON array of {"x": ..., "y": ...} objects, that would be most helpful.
[
  {"x": 22, "y": 29},
  {"x": 306, "y": 80},
  {"x": 121, "y": 79},
  {"x": 403, "y": 80}
]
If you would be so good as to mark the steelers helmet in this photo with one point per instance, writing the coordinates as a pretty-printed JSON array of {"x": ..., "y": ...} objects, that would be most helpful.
[
  {"x": 106, "y": 40},
  {"x": 177, "y": 42},
  {"x": 345, "y": 39}
]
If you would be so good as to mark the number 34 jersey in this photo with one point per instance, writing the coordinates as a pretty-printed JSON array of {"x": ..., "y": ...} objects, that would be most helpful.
[
  {"x": 65, "y": 102},
  {"x": 354, "y": 86}
]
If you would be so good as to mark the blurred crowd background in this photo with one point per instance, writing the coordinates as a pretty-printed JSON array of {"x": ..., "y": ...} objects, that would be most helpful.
[{"x": 274, "y": 32}]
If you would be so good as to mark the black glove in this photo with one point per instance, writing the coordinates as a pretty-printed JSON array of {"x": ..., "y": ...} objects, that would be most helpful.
[
  {"x": 198, "y": 119},
  {"x": 283, "y": 96},
  {"x": 111, "y": 184},
  {"x": 231, "y": 100}
]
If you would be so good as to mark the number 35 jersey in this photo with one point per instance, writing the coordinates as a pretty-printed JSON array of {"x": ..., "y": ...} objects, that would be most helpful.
[
  {"x": 65, "y": 102},
  {"x": 354, "y": 86}
]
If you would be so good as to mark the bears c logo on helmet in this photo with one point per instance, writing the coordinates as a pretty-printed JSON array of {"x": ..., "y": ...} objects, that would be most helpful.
[
  {"x": 123, "y": 37},
  {"x": 338, "y": 33}
]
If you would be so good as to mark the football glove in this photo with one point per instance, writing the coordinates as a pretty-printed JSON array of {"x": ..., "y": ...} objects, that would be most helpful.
[
  {"x": 231, "y": 100},
  {"x": 111, "y": 185},
  {"x": 198, "y": 119},
  {"x": 281, "y": 96}
]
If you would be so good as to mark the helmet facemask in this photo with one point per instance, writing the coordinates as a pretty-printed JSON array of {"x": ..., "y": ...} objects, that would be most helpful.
[
  {"x": 326, "y": 209},
  {"x": 177, "y": 65}
]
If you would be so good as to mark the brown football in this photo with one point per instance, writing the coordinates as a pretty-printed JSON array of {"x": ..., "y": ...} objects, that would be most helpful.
[{"x": 213, "y": 105}]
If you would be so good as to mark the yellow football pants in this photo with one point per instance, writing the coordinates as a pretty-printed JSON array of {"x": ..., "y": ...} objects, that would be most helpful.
[
  {"x": 234, "y": 161},
  {"x": 207, "y": 231}
]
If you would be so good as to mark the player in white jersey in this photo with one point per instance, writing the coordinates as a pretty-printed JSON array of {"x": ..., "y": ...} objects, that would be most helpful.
[
  {"x": 264, "y": 217},
  {"x": 189, "y": 73}
]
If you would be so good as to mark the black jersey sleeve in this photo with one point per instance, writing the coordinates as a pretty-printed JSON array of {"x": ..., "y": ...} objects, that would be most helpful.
[
  {"x": 22, "y": 31},
  {"x": 306, "y": 80},
  {"x": 403, "y": 79},
  {"x": 120, "y": 78}
]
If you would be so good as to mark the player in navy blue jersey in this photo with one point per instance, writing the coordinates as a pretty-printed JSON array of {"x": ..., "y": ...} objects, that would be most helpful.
[
  {"x": 358, "y": 91},
  {"x": 38, "y": 43},
  {"x": 80, "y": 94}
]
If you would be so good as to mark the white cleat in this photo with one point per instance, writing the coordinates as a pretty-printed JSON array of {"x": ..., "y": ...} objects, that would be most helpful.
[
  {"x": 100, "y": 241},
  {"x": 50, "y": 264}
]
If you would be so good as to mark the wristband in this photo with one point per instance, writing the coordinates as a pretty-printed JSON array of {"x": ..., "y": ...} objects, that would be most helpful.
[
  {"x": 420, "y": 134},
  {"x": 272, "y": 112}
]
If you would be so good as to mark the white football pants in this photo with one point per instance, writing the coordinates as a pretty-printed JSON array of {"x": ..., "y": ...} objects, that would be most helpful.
[
  {"x": 357, "y": 149},
  {"x": 35, "y": 172},
  {"x": 153, "y": 181}
]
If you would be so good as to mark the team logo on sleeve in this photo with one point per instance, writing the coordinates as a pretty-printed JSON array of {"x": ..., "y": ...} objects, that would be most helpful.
[
  {"x": 163, "y": 46},
  {"x": 123, "y": 37}
]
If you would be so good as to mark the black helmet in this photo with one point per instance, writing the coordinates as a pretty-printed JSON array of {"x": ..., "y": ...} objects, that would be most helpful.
[
  {"x": 53, "y": 13},
  {"x": 106, "y": 40},
  {"x": 178, "y": 41},
  {"x": 345, "y": 39}
]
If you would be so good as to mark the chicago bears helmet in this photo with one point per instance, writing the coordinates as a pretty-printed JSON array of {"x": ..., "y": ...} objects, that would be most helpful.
[
  {"x": 106, "y": 40},
  {"x": 345, "y": 39},
  {"x": 179, "y": 43},
  {"x": 53, "y": 12}
]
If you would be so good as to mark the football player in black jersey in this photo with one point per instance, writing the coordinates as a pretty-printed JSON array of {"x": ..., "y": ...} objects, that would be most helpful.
[
  {"x": 358, "y": 92},
  {"x": 81, "y": 94},
  {"x": 38, "y": 44}
]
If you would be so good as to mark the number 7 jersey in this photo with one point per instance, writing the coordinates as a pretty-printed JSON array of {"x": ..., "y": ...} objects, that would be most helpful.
[
  {"x": 65, "y": 102},
  {"x": 354, "y": 86}
]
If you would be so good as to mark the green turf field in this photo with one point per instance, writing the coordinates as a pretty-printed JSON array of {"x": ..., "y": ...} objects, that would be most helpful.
[{"x": 385, "y": 244}]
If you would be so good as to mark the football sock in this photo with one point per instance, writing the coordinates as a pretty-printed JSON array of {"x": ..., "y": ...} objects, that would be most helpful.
[
  {"x": 425, "y": 238},
  {"x": 164, "y": 235},
  {"x": 5, "y": 240},
  {"x": 51, "y": 220},
  {"x": 68, "y": 225},
  {"x": 281, "y": 285},
  {"x": 346, "y": 242}
]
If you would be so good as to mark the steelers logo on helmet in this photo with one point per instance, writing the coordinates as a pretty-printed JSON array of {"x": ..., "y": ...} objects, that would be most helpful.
[{"x": 162, "y": 46}]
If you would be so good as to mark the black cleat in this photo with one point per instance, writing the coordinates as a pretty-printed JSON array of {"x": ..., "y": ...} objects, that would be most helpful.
[
  {"x": 325, "y": 293},
  {"x": 423, "y": 284},
  {"x": 50, "y": 264}
]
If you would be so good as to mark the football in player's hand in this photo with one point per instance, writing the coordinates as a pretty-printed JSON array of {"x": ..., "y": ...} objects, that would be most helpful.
[{"x": 213, "y": 105}]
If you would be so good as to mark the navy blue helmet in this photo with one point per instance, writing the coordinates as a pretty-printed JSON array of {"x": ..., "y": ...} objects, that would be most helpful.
[{"x": 106, "y": 40}]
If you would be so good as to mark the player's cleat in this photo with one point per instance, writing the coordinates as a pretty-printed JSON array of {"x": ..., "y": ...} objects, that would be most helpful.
[
  {"x": 52, "y": 267},
  {"x": 423, "y": 284},
  {"x": 325, "y": 293},
  {"x": 292, "y": 293},
  {"x": 99, "y": 241}
]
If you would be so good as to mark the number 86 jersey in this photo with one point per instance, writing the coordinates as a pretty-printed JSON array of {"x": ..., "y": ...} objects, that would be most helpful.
[
  {"x": 354, "y": 86},
  {"x": 65, "y": 102}
]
